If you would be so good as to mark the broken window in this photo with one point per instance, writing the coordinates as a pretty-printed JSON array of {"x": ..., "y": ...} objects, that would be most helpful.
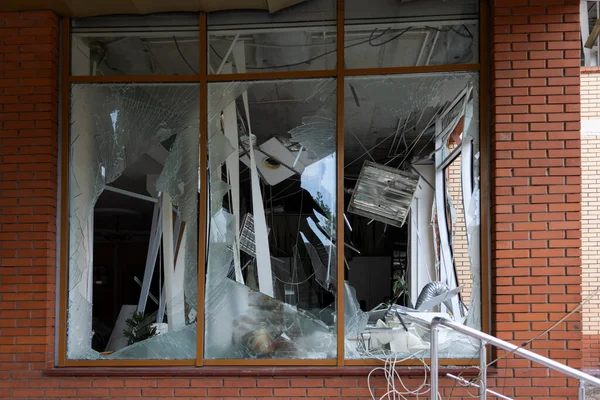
[
  {"x": 409, "y": 33},
  {"x": 411, "y": 181},
  {"x": 271, "y": 260},
  {"x": 133, "y": 222},
  {"x": 163, "y": 44},
  {"x": 302, "y": 37}
]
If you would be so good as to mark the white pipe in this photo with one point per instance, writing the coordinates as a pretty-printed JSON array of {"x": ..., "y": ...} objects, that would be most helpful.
[
  {"x": 167, "y": 244},
  {"x": 263, "y": 253},
  {"x": 435, "y": 39},
  {"x": 150, "y": 295},
  {"x": 226, "y": 56},
  {"x": 427, "y": 34},
  {"x": 233, "y": 171},
  {"x": 130, "y": 194},
  {"x": 298, "y": 156},
  {"x": 154, "y": 244}
]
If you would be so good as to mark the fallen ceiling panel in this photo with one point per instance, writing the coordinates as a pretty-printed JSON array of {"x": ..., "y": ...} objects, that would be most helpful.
[{"x": 79, "y": 9}]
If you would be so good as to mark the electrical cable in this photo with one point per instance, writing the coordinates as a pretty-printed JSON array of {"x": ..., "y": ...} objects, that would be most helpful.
[
  {"x": 318, "y": 55},
  {"x": 388, "y": 40},
  {"x": 289, "y": 46},
  {"x": 391, "y": 376},
  {"x": 183, "y": 57},
  {"x": 369, "y": 40},
  {"x": 295, "y": 283},
  {"x": 573, "y": 311},
  {"x": 561, "y": 320},
  {"x": 288, "y": 195},
  {"x": 460, "y": 375},
  {"x": 470, "y": 35}
]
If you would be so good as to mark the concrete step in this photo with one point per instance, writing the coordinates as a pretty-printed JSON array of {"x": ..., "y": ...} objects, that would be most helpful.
[{"x": 592, "y": 392}]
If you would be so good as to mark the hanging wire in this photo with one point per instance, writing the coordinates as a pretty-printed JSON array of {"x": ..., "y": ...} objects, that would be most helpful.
[
  {"x": 183, "y": 57},
  {"x": 318, "y": 56}
]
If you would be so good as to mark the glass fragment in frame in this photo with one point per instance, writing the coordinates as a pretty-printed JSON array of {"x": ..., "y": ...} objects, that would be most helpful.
[
  {"x": 271, "y": 260},
  {"x": 157, "y": 44},
  {"x": 298, "y": 38},
  {"x": 410, "y": 33},
  {"x": 412, "y": 213},
  {"x": 133, "y": 195}
]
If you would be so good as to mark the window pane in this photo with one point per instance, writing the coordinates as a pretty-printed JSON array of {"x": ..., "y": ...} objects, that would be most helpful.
[
  {"x": 394, "y": 33},
  {"x": 136, "y": 45},
  {"x": 298, "y": 38},
  {"x": 271, "y": 265},
  {"x": 404, "y": 139},
  {"x": 133, "y": 194}
]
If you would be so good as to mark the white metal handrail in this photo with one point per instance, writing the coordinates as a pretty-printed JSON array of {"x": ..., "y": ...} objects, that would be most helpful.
[{"x": 486, "y": 339}]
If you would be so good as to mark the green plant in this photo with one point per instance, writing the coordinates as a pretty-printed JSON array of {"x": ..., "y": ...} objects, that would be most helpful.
[
  {"x": 330, "y": 221},
  {"x": 139, "y": 327},
  {"x": 400, "y": 288}
]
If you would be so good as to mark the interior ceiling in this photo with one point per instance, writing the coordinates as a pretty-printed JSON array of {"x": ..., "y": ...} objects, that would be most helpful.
[
  {"x": 138, "y": 55},
  {"x": 296, "y": 38},
  {"x": 177, "y": 53},
  {"x": 376, "y": 107}
]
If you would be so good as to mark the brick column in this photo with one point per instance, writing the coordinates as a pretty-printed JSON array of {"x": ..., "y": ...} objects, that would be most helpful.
[
  {"x": 28, "y": 187},
  {"x": 590, "y": 224},
  {"x": 536, "y": 186}
]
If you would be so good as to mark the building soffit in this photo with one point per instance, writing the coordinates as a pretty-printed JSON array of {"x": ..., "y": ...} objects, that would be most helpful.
[{"x": 90, "y": 8}]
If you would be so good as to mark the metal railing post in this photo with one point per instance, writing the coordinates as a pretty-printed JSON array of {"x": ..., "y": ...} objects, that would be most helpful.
[
  {"x": 482, "y": 371},
  {"x": 581, "y": 390},
  {"x": 434, "y": 362}
]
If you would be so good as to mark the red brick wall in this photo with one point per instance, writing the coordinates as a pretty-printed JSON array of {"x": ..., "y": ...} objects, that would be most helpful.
[
  {"x": 28, "y": 182},
  {"x": 536, "y": 181},
  {"x": 591, "y": 352},
  {"x": 535, "y": 214}
]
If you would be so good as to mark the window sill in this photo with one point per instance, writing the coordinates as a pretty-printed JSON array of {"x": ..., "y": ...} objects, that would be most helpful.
[{"x": 245, "y": 371}]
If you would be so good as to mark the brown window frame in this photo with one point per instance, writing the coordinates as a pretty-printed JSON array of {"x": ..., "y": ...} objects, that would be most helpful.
[{"x": 203, "y": 78}]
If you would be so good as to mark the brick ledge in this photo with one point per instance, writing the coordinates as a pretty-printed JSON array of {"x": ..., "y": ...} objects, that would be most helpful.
[{"x": 246, "y": 371}]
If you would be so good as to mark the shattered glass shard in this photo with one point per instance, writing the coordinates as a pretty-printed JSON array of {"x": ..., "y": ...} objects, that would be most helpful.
[
  {"x": 355, "y": 322},
  {"x": 179, "y": 177},
  {"x": 317, "y": 135},
  {"x": 249, "y": 324},
  {"x": 116, "y": 132},
  {"x": 177, "y": 345}
]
